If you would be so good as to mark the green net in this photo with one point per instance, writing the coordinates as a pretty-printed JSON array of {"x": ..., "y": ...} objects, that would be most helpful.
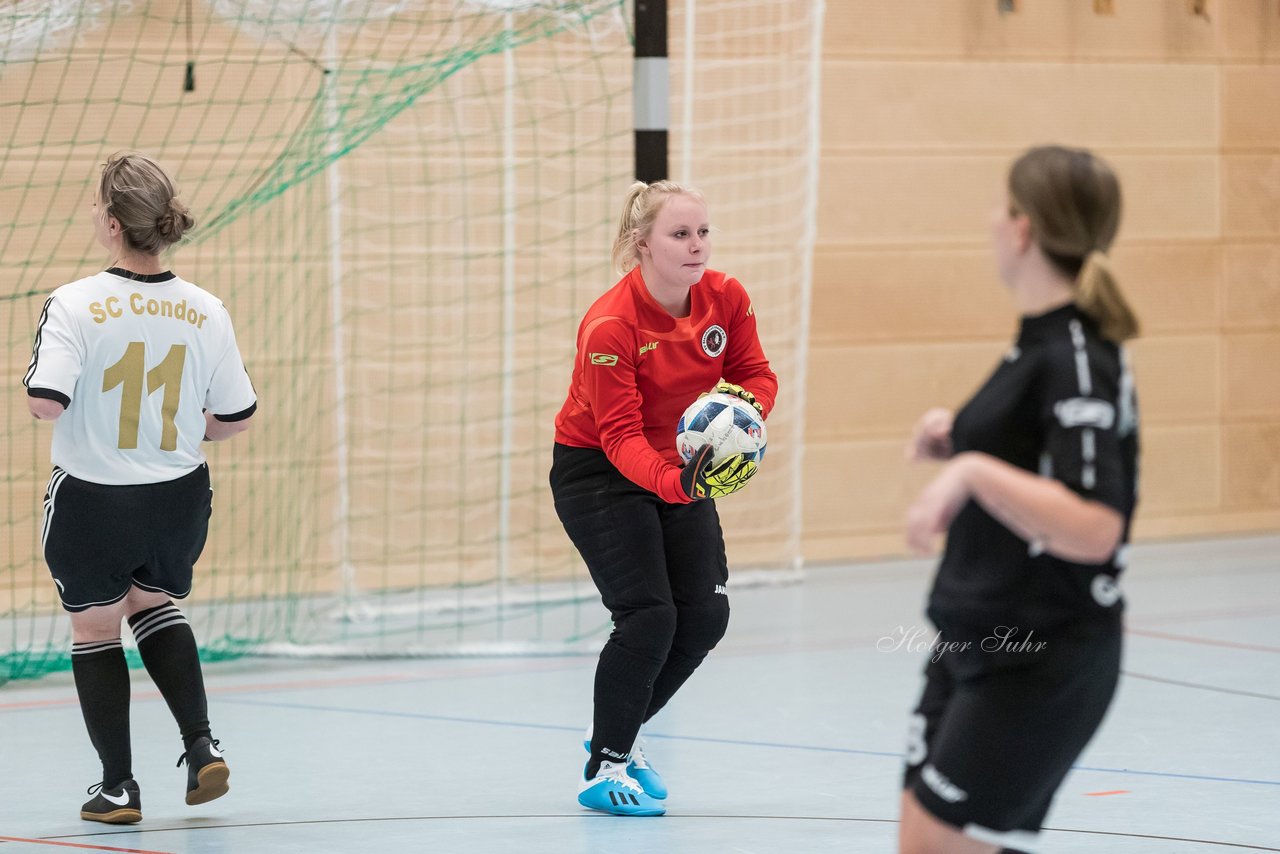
[{"x": 406, "y": 206}]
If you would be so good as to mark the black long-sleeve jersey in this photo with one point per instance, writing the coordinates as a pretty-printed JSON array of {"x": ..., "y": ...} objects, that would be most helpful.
[{"x": 1060, "y": 404}]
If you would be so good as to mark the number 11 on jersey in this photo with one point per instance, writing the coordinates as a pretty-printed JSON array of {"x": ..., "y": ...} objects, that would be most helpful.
[{"x": 130, "y": 372}]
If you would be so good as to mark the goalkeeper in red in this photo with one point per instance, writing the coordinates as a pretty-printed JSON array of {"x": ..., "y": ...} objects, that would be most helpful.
[{"x": 646, "y": 527}]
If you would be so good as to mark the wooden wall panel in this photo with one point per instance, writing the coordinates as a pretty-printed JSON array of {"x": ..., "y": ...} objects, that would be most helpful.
[
  {"x": 1249, "y": 30},
  {"x": 1251, "y": 465},
  {"x": 859, "y": 296},
  {"x": 859, "y": 487},
  {"x": 1251, "y": 287},
  {"x": 1173, "y": 286},
  {"x": 1250, "y": 106},
  {"x": 904, "y": 201},
  {"x": 924, "y": 108},
  {"x": 899, "y": 105},
  {"x": 1180, "y": 470},
  {"x": 1251, "y": 196},
  {"x": 1251, "y": 368},
  {"x": 900, "y": 200},
  {"x": 882, "y": 389},
  {"x": 1168, "y": 197},
  {"x": 1155, "y": 30},
  {"x": 1178, "y": 378}
]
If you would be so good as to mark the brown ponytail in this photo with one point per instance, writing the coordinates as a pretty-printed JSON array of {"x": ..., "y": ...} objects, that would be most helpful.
[
  {"x": 1073, "y": 201},
  {"x": 1098, "y": 295}
]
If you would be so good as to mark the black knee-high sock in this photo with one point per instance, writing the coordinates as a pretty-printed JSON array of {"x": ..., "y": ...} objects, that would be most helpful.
[
  {"x": 624, "y": 682},
  {"x": 168, "y": 649},
  {"x": 102, "y": 682}
]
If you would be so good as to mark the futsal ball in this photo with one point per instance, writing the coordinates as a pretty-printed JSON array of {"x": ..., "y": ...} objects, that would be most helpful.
[{"x": 728, "y": 422}]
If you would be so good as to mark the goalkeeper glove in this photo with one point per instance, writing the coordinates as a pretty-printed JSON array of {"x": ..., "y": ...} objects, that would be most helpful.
[
  {"x": 701, "y": 479},
  {"x": 729, "y": 388}
]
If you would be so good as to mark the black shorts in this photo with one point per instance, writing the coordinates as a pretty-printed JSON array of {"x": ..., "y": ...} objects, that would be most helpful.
[
  {"x": 987, "y": 750},
  {"x": 100, "y": 540}
]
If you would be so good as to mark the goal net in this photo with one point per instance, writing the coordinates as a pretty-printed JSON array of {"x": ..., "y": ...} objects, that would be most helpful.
[{"x": 407, "y": 205}]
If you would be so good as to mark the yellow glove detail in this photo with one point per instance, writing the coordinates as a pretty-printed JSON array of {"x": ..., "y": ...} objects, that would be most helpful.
[
  {"x": 725, "y": 387},
  {"x": 701, "y": 480},
  {"x": 730, "y": 475}
]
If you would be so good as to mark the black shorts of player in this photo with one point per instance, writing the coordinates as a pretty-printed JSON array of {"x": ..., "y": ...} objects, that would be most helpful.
[
  {"x": 100, "y": 540},
  {"x": 995, "y": 734},
  {"x": 640, "y": 550}
]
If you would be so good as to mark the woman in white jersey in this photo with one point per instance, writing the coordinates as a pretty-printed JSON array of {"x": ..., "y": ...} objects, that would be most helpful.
[{"x": 136, "y": 367}]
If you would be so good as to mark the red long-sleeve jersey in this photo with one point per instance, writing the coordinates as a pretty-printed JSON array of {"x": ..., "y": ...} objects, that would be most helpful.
[{"x": 638, "y": 368}]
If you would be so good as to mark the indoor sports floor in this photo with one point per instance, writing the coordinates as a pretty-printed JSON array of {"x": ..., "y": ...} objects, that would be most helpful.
[{"x": 788, "y": 740}]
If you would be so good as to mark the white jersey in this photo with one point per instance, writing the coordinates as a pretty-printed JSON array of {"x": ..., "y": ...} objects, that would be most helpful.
[{"x": 136, "y": 360}]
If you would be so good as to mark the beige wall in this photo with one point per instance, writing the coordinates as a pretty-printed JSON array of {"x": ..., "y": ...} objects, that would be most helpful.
[{"x": 922, "y": 112}]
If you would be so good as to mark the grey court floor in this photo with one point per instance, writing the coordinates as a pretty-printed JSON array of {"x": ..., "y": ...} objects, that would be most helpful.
[{"x": 788, "y": 740}]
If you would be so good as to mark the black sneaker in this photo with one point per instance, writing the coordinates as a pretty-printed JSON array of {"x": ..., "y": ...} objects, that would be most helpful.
[
  {"x": 207, "y": 772},
  {"x": 121, "y": 805}
]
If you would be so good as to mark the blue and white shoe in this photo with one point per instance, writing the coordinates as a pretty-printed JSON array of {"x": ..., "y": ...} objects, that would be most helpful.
[
  {"x": 644, "y": 774},
  {"x": 640, "y": 770},
  {"x": 613, "y": 790}
]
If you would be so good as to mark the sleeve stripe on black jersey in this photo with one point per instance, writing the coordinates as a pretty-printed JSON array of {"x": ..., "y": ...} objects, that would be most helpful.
[
  {"x": 1046, "y": 464},
  {"x": 35, "y": 348},
  {"x": 1088, "y": 477},
  {"x": 1088, "y": 474},
  {"x": 1082, "y": 359},
  {"x": 1128, "y": 421}
]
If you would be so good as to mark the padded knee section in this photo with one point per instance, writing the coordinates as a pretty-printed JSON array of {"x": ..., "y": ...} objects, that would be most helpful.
[
  {"x": 647, "y": 632},
  {"x": 700, "y": 628}
]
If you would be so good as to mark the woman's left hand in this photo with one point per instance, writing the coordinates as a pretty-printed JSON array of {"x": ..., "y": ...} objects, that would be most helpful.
[{"x": 936, "y": 505}]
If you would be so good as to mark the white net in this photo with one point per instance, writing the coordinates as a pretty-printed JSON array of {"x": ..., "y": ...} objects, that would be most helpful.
[{"x": 407, "y": 207}]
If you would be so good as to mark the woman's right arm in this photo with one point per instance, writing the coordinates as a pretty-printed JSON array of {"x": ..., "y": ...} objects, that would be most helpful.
[
  {"x": 609, "y": 386},
  {"x": 57, "y": 358},
  {"x": 43, "y": 409},
  {"x": 216, "y": 430}
]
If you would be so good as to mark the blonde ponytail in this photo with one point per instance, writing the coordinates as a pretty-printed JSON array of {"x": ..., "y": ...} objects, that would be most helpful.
[
  {"x": 639, "y": 210},
  {"x": 624, "y": 244},
  {"x": 1098, "y": 295}
]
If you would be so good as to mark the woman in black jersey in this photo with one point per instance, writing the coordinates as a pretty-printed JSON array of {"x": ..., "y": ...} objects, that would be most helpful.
[{"x": 1035, "y": 498}]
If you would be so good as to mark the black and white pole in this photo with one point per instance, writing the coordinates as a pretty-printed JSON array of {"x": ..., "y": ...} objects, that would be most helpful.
[{"x": 649, "y": 90}]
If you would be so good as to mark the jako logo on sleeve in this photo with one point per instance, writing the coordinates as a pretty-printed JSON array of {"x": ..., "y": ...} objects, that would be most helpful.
[{"x": 603, "y": 359}]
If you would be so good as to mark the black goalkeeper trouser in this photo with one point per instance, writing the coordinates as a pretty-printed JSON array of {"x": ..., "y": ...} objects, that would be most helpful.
[{"x": 661, "y": 571}]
